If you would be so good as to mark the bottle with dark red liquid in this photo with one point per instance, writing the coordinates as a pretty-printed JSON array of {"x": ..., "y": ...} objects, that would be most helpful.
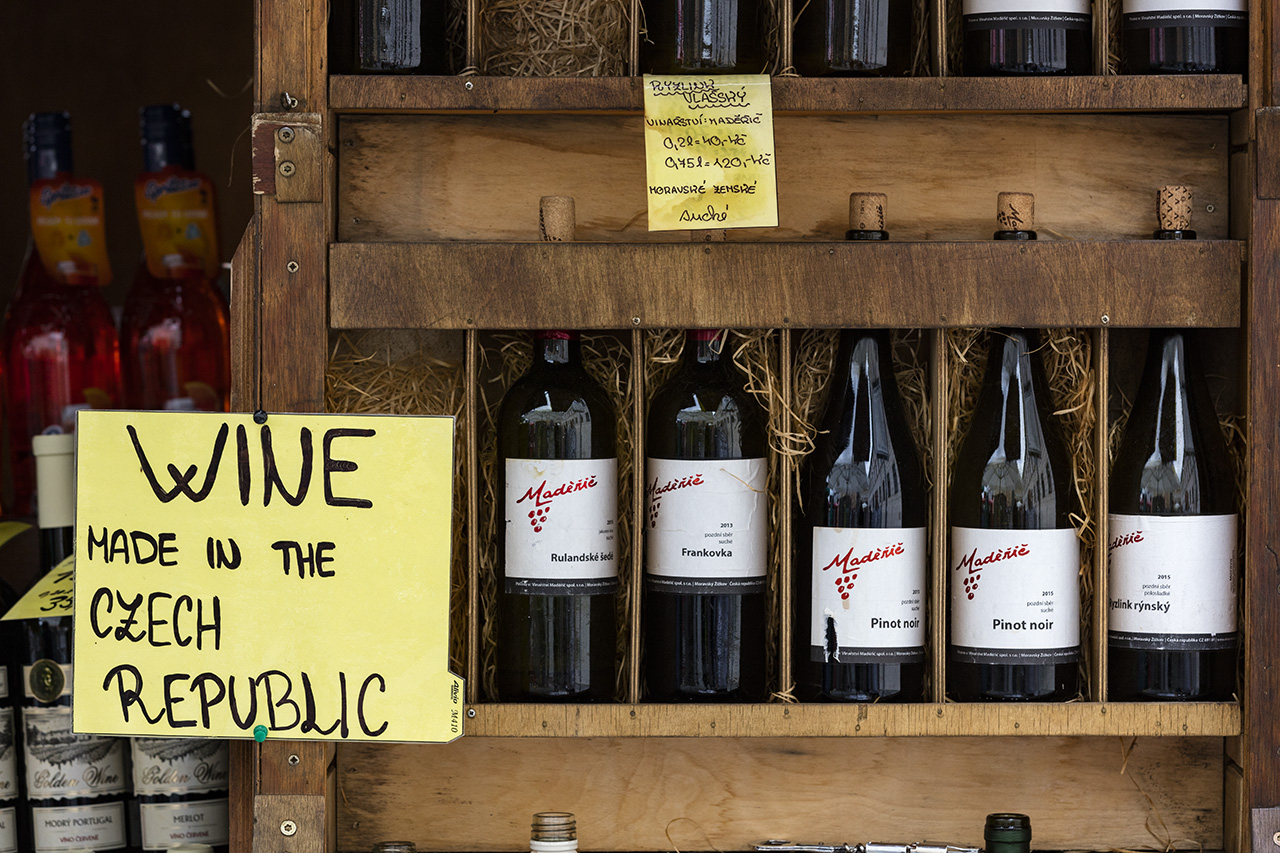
[
  {"x": 861, "y": 545},
  {"x": 59, "y": 340},
  {"x": 175, "y": 341},
  {"x": 1172, "y": 587},
  {"x": 1015, "y": 557},
  {"x": 1185, "y": 36},
  {"x": 1013, "y": 37},
  {"x": 703, "y": 37},
  {"x": 706, "y": 532},
  {"x": 853, "y": 37}
]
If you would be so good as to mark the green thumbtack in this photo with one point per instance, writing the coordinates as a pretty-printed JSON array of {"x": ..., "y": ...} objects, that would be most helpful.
[{"x": 259, "y": 733}]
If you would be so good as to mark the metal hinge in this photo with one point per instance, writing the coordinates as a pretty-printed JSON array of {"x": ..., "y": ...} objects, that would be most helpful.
[{"x": 288, "y": 156}]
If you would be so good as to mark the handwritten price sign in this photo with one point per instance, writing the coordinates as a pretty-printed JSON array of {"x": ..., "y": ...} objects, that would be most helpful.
[
  {"x": 291, "y": 576},
  {"x": 709, "y": 149}
]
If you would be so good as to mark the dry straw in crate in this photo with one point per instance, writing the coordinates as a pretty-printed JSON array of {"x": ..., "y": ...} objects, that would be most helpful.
[
  {"x": 361, "y": 378},
  {"x": 505, "y": 358},
  {"x": 1069, "y": 366},
  {"x": 564, "y": 38}
]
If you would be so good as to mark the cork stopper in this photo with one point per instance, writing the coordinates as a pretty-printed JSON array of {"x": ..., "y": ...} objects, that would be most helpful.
[
  {"x": 1016, "y": 211},
  {"x": 556, "y": 219},
  {"x": 554, "y": 826},
  {"x": 1173, "y": 208},
  {"x": 866, "y": 211}
]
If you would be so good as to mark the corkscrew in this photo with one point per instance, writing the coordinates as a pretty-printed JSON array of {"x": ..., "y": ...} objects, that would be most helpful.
[{"x": 774, "y": 846}]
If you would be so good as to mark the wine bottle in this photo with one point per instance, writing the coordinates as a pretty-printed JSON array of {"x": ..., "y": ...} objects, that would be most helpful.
[
  {"x": 12, "y": 808},
  {"x": 861, "y": 546},
  {"x": 706, "y": 548},
  {"x": 1015, "y": 558},
  {"x": 175, "y": 340},
  {"x": 702, "y": 37},
  {"x": 1172, "y": 579},
  {"x": 59, "y": 339},
  {"x": 1185, "y": 36},
  {"x": 401, "y": 37},
  {"x": 558, "y": 571},
  {"x": 77, "y": 784},
  {"x": 1007, "y": 833},
  {"x": 181, "y": 788},
  {"x": 1016, "y": 37},
  {"x": 853, "y": 37}
]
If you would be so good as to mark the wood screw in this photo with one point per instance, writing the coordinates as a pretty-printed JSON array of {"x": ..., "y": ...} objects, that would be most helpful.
[
  {"x": 294, "y": 760},
  {"x": 1275, "y": 839},
  {"x": 286, "y": 135},
  {"x": 469, "y": 85},
  {"x": 292, "y": 267},
  {"x": 287, "y": 168},
  {"x": 1106, "y": 318},
  {"x": 635, "y": 321},
  {"x": 471, "y": 713},
  {"x": 288, "y": 101},
  {"x": 288, "y": 828}
]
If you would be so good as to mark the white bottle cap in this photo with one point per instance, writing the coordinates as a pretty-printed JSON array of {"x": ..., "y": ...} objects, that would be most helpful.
[{"x": 55, "y": 479}]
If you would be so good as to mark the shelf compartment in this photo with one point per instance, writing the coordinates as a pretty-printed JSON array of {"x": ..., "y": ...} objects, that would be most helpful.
[
  {"x": 779, "y": 285},
  {"x": 475, "y": 94}
]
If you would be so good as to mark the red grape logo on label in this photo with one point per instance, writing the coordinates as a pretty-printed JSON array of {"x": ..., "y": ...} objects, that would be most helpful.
[
  {"x": 849, "y": 565},
  {"x": 542, "y": 498},
  {"x": 974, "y": 564},
  {"x": 655, "y": 493}
]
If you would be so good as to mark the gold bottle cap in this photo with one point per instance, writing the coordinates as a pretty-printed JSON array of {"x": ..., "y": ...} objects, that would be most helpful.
[
  {"x": 866, "y": 211},
  {"x": 1016, "y": 211},
  {"x": 1173, "y": 208},
  {"x": 556, "y": 219}
]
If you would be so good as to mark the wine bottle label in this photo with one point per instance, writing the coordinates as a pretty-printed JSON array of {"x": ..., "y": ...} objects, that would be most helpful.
[
  {"x": 46, "y": 680},
  {"x": 708, "y": 525},
  {"x": 8, "y": 758},
  {"x": 1015, "y": 598},
  {"x": 178, "y": 223},
  {"x": 868, "y": 591},
  {"x": 68, "y": 230},
  {"x": 561, "y": 533},
  {"x": 96, "y": 827},
  {"x": 62, "y": 764},
  {"x": 4, "y": 682},
  {"x": 9, "y": 830},
  {"x": 179, "y": 765},
  {"x": 1013, "y": 14},
  {"x": 1172, "y": 582},
  {"x": 167, "y": 824},
  {"x": 1146, "y": 14}
]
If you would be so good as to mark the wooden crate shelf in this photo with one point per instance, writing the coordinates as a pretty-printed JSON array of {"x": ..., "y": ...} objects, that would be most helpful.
[
  {"x": 1126, "y": 719},
  {"x": 771, "y": 285},
  {"x": 475, "y": 94}
]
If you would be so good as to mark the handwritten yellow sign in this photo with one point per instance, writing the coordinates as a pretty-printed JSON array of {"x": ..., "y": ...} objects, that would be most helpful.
[
  {"x": 50, "y": 597},
  {"x": 709, "y": 149},
  {"x": 288, "y": 579}
]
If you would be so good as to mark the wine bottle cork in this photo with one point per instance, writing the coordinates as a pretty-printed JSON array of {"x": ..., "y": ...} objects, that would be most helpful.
[
  {"x": 1173, "y": 208},
  {"x": 556, "y": 219},
  {"x": 866, "y": 211},
  {"x": 1016, "y": 211}
]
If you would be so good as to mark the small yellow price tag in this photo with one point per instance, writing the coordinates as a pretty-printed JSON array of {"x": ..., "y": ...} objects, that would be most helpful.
[
  {"x": 709, "y": 151},
  {"x": 50, "y": 597}
]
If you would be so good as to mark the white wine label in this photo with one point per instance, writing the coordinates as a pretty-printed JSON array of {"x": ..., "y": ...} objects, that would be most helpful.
[
  {"x": 1009, "y": 14},
  {"x": 46, "y": 680},
  {"x": 708, "y": 525},
  {"x": 868, "y": 595},
  {"x": 1172, "y": 582},
  {"x": 1233, "y": 9},
  {"x": 62, "y": 764},
  {"x": 179, "y": 765},
  {"x": 167, "y": 824},
  {"x": 1015, "y": 597},
  {"x": 561, "y": 533},
  {"x": 9, "y": 830},
  {"x": 98, "y": 827},
  {"x": 8, "y": 758}
]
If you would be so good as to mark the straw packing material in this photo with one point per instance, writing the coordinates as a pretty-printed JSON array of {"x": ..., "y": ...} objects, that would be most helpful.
[{"x": 566, "y": 38}]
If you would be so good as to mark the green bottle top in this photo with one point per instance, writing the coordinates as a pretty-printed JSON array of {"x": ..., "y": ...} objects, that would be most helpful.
[{"x": 1007, "y": 833}]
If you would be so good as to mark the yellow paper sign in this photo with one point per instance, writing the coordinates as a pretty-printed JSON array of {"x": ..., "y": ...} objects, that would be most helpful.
[
  {"x": 709, "y": 149},
  {"x": 289, "y": 579},
  {"x": 50, "y": 597}
]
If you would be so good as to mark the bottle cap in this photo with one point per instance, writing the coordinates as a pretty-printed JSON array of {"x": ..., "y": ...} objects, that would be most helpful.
[
  {"x": 554, "y": 335},
  {"x": 166, "y": 137},
  {"x": 702, "y": 334},
  {"x": 1007, "y": 828},
  {"x": 554, "y": 832},
  {"x": 395, "y": 847},
  {"x": 55, "y": 479},
  {"x": 46, "y": 144},
  {"x": 866, "y": 211},
  {"x": 556, "y": 219},
  {"x": 1016, "y": 211},
  {"x": 1173, "y": 208}
]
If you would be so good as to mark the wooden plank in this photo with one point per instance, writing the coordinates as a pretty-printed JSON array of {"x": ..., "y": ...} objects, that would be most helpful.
[
  {"x": 1174, "y": 93},
  {"x": 939, "y": 543},
  {"x": 952, "y": 719},
  {"x": 786, "y": 522},
  {"x": 292, "y": 37},
  {"x": 473, "y": 518},
  {"x": 800, "y": 285},
  {"x": 294, "y": 767},
  {"x": 243, "y": 785},
  {"x": 427, "y": 178},
  {"x": 726, "y": 794},
  {"x": 1235, "y": 835},
  {"x": 1101, "y": 553},
  {"x": 244, "y": 319},
  {"x": 637, "y": 514},
  {"x": 1268, "y": 152}
]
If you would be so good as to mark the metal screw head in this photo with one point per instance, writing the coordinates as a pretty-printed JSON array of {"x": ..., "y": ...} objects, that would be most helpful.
[
  {"x": 1209, "y": 208},
  {"x": 293, "y": 760},
  {"x": 292, "y": 266},
  {"x": 288, "y": 828},
  {"x": 635, "y": 321},
  {"x": 1106, "y": 318},
  {"x": 1275, "y": 839},
  {"x": 469, "y": 85},
  {"x": 287, "y": 168},
  {"x": 286, "y": 134},
  {"x": 288, "y": 101}
]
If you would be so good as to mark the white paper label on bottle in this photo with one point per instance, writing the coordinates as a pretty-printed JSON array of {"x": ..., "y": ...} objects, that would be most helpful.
[
  {"x": 52, "y": 680},
  {"x": 179, "y": 765},
  {"x": 708, "y": 525},
  {"x": 97, "y": 827},
  {"x": 561, "y": 526},
  {"x": 8, "y": 758},
  {"x": 868, "y": 595},
  {"x": 167, "y": 824},
  {"x": 1015, "y": 597},
  {"x": 1172, "y": 582},
  {"x": 9, "y": 830},
  {"x": 62, "y": 764},
  {"x": 4, "y": 681},
  {"x": 1000, "y": 14},
  {"x": 1149, "y": 13}
]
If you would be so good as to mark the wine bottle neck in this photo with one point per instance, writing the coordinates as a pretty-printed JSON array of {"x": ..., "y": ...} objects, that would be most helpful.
[
  {"x": 166, "y": 138},
  {"x": 48, "y": 145},
  {"x": 862, "y": 360},
  {"x": 703, "y": 347},
  {"x": 557, "y": 348},
  {"x": 56, "y": 544},
  {"x": 1009, "y": 380}
]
